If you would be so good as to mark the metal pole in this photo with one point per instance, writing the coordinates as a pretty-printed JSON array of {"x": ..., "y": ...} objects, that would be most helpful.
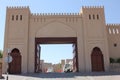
[
  {"x": 7, "y": 67},
  {"x": 7, "y": 76},
  {"x": 8, "y": 64}
]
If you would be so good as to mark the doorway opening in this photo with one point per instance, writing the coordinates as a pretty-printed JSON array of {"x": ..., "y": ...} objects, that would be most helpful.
[
  {"x": 42, "y": 65},
  {"x": 15, "y": 65},
  {"x": 97, "y": 60}
]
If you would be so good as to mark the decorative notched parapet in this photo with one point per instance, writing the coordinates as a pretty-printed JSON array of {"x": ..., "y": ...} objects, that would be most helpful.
[
  {"x": 113, "y": 25},
  {"x": 17, "y": 7},
  {"x": 55, "y": 14},
  {"x": 89, "y": 7}
]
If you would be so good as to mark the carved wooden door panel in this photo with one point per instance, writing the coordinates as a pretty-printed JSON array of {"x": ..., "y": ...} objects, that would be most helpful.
[
  {"x": 15, "y": 65},
  {"x": 97, "y": 60}
]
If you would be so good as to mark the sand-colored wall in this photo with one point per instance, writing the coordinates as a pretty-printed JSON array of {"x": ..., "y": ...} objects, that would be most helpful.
[
  {"x": 54, "y": 26},
  {"x": 95, "y": 34},
  {"x": 16, "y": 34},
  {"x": 113, "y": 32},
  {"x": 21, "y": 34}
]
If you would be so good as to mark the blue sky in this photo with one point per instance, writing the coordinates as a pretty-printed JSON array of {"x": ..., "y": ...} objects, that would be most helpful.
[
  {"x": 54, "y": 52},
  {"x": 112, "y": 9}
]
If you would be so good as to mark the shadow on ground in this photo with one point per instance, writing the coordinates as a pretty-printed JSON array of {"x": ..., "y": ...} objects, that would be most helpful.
[{"x": 68, "y": 75}]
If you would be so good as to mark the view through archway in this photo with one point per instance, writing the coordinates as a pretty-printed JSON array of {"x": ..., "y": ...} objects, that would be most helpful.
[
  {"x": 56, "y": 55},
  {"x": 56, "y": 58}
]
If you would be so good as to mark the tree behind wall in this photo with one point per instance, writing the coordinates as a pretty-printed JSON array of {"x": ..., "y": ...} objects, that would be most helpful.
[
  {"x": 1, "y": 54},
  {"x": 118, "y": 60},
  {"x": 112, "y": 60}
]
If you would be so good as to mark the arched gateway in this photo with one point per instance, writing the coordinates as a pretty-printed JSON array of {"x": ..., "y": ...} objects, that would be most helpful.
[
  {"x": 60, "y": 40},
  {"x": 25, "y": 31}
]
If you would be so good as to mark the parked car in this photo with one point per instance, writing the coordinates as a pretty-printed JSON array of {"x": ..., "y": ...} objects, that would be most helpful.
[{"x": 68, "y": 68}]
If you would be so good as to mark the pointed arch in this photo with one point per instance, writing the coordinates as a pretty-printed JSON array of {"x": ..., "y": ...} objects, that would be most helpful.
[
  {"x": 97, "y": 61},
  {"x": 51, "y": 30},
  {"x": 15, "y": 65}
]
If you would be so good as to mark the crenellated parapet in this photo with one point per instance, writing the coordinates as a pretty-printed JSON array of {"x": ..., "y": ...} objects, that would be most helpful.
[
  {"x": 113, "y": 25},
  {"x": 17, "y": 7},
  {"x": 55, "y": 14},
  {"x": 92, "y": 7}
]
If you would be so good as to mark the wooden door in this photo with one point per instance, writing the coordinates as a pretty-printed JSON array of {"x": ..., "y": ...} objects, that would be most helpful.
[
  {"x": 97, "y": 60},
  {"x": 75, "y": 58},
  {"x": 15, "y": 65},
  {"x": 37, "y": 58}
]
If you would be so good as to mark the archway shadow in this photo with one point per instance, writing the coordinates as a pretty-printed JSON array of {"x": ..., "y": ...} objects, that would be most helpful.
[{"x": 68, "y": 75}]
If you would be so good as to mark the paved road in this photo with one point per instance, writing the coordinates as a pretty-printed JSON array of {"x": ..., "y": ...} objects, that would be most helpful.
[{"x": 65, "y": 76}]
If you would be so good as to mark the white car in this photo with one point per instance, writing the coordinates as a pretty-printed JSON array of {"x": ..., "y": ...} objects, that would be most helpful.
[{"x": 68, "y": 68}]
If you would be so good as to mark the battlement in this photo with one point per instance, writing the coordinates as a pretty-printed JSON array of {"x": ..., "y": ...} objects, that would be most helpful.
[
  {"x": 92, "y": 7},
  {"x": 112, "y": 24},
  {"x": 55, "y": 14},
  {"x": 17, "y": 7}
]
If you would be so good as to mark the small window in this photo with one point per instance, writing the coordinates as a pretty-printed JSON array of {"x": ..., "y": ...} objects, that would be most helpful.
[
  {"x": 12, "y": 17},
  {"x": 20, "y": 17},
  {"x": 93, "y": 16},
  {"x": 115, "y": 44},
  {"x": 113, "y": 31},
  {"x": 89, "y": 16},
  {"x": 97, "y": 16},
  {"x": 117, "y": 31},
  {"x": 16, "y": 17}
]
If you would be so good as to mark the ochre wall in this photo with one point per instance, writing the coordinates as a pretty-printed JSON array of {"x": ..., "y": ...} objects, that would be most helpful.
[
  {"x": 113, "y": 33},
  {"x": 90, "y": 33}
]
